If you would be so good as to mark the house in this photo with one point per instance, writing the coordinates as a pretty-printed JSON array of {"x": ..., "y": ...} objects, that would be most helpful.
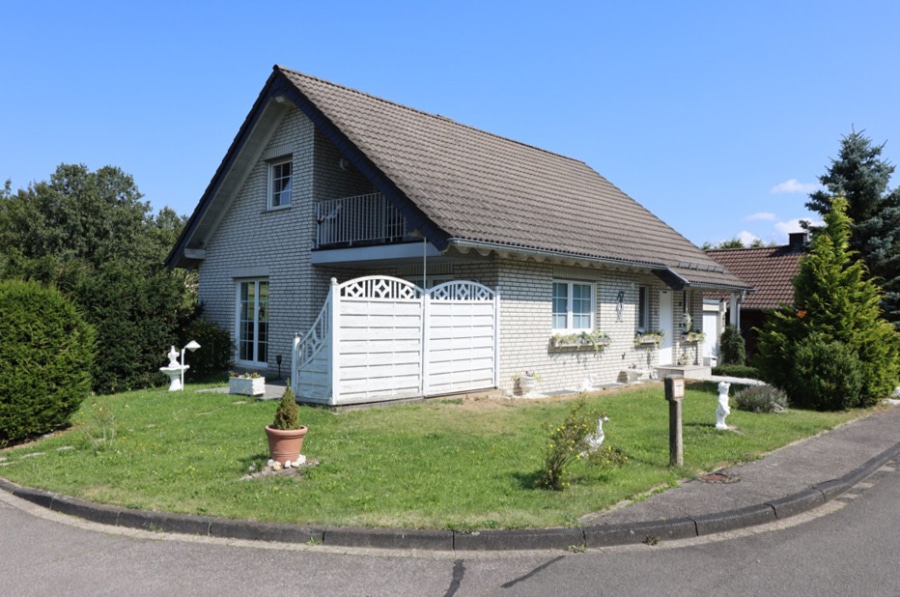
[
  {"x": 387, "y": 253},
  {"x": 771, "y": 271}
]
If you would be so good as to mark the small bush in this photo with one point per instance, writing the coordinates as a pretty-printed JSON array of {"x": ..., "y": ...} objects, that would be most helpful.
[
  {"x": 745, "y": 371},
  {"x": 761, "y": 399},
  {"x": 607, "y": 456},
  {"x": 567, "y": 442},
  {"x": 732, "y": 348},
  {"x": 287, "y": 415},
  {"x": 826, "y": 376},
  {"x": 45, "y": 360},
  {"x": 216, "y": 347}
]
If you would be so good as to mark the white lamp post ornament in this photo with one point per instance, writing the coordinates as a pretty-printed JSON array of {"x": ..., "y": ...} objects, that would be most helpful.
[{"x": 192, "y": 346}]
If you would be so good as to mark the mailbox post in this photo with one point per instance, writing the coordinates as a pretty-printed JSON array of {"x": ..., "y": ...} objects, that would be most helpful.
[{"x": 674, "y": 386}]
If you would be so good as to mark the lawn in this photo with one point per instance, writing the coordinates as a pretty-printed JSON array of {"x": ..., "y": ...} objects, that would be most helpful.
[{"x": 443, "y": 464}]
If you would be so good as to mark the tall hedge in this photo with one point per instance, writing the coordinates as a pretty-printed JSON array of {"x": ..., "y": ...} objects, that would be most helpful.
[{"x": 46, "y": 354}]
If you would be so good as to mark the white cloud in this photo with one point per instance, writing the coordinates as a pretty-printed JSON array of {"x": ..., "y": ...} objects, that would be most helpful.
[
  {"x": 763, "y": 215},
  {"x": 747, "y": 238},
  {"x": 783, "y": 229},
  {"x": 795, "y": 186}
]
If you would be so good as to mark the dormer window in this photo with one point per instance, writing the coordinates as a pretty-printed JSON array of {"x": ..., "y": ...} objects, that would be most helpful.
[{"x": 280, "y": 183}]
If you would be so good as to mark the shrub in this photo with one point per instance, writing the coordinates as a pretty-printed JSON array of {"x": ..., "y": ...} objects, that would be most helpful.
[
  {"x": 761, "y": 399},
  {"x": 732, "y": 348},
  {"x": 45, "y": 360},
  {"x": 826, "y": 376},
  {"x": 745, "y": 371},
  {"x": 287, "y": 415},
  {"x": 137, "y": 318},
  {"x": 216, "y": 347},
  {"x": 567, "y": 442}
]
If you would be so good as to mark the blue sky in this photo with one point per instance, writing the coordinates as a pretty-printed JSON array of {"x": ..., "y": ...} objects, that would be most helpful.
[{"x": 719, "y": 117}]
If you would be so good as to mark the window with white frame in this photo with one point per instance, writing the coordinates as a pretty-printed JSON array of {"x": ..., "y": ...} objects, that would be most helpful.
[
  {"x": 643, "y": 322},
  {"x": 280, "y": 173},
  {"x": 253, "y": 321},
  {"x": 573, "y": 306}
]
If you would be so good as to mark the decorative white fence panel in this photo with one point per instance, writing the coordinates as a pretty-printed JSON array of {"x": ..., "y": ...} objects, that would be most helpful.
[
  {"x": 461, "y": 332},
  {"x": 388, "y": 339},
  {"x": 379, "y": 348}
]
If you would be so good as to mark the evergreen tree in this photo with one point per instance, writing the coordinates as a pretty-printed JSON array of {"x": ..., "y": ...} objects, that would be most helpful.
[
  {"x": 862, "y": 177},
  {"x": 834, "y": 302}
]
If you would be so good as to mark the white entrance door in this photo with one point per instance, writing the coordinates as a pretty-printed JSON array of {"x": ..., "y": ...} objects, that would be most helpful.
[
  {"x": 711, "y": 321},
  {"x": 666, "y": 324}
]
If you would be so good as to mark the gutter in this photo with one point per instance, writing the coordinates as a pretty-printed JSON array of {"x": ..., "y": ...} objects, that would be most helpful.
[
  {"x": 491, "y": 246},
  {"x": 659, "y": 268}
]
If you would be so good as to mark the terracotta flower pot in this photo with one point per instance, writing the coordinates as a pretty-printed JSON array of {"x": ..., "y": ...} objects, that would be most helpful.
[{"x": 285, "y": 444}]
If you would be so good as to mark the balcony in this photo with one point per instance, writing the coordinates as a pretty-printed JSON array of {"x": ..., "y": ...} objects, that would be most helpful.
[{"x": 362, "y": 220}]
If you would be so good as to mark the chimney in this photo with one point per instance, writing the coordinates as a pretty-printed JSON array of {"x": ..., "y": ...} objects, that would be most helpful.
[{"x": 797, "y": 241}]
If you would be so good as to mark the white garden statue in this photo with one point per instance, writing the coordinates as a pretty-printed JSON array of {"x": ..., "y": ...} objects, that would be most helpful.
[
  {"x": 595, "y": 440},
  {"x": 723, "y": 410}
]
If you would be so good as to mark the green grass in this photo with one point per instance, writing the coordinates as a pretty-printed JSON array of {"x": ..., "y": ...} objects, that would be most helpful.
[{"x": 449, "y": 464}]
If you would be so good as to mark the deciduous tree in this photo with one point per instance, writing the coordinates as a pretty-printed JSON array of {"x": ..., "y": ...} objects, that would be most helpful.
[{"x": 91, "y": 235}]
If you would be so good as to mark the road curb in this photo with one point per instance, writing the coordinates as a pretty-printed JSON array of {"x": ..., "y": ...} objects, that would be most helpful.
[{"x": 435, "y": 540}]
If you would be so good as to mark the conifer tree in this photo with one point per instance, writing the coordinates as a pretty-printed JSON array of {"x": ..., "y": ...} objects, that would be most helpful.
[
  {"x": 862, "y": 176},
  {"x": 834, "y": 302}
]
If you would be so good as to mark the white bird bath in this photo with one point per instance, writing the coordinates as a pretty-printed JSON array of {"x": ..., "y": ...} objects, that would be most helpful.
[{"x": 174, "y": 370}]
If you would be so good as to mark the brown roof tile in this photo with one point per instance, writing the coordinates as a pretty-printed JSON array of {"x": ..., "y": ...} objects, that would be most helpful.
[
  {"x": 769, "y": 269},
  {"x": 478, "y": 187}
]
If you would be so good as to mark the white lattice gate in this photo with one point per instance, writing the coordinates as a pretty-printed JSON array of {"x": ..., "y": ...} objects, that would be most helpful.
[{"x": 382, "y": 338}]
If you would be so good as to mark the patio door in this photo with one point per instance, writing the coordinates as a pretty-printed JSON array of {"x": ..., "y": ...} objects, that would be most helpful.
[
  {"x": 253, "y": 322},
  {"x": 666, "y": 324}
]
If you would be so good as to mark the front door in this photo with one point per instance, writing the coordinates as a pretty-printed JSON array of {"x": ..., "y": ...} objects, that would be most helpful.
[{"x": 666, "y": 324}]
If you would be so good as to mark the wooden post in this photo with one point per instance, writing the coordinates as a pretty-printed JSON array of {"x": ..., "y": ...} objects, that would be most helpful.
[{"x": 674, "y": 388}]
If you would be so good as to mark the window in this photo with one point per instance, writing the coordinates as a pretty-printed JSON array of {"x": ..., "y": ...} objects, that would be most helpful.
[
  {"x": 253, "y": 321},
  {"x": 280, "y": 183},
  {"x": 573, "y": 306},
  {"x": 643, "y": 322}
]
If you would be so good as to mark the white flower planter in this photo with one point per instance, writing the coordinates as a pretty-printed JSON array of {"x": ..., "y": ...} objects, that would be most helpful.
[
  {"x": 247, "y": 386},
  {"x": 526, "y": 385}
]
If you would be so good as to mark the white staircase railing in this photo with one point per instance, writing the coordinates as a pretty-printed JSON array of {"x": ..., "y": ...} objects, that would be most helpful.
[{"x": 310, "y": 345}]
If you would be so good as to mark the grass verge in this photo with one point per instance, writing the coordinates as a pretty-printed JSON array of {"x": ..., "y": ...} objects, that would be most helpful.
[{"x": 444, "y": 464}]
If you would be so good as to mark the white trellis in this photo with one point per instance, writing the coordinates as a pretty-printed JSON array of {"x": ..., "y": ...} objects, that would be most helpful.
[{"x": 382, "y": 338}]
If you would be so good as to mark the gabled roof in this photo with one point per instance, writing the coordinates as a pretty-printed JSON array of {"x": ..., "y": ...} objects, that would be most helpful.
[
  {"x": 769, "y": 269},
  {"x": 468, "y": 188}
]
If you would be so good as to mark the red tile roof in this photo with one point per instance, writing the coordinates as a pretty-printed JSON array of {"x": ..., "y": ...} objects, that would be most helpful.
[{"x": 769, "y": 269}]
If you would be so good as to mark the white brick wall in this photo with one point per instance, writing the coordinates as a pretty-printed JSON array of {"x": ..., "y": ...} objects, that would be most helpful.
[
  {"x": 252, "y": 241},
  {"x": 526, "y": 326}
]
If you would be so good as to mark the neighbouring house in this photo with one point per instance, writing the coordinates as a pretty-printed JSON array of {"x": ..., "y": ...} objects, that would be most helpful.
[
  {"x": 771, "y": 271},
  {"x": 386, "y": 253}
]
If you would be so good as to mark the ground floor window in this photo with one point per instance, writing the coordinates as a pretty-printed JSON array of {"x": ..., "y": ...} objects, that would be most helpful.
[
  {"x": 253, "y": 321},
  {"x": 643, "y": 323},
  {"x": 573, "y": 306}
]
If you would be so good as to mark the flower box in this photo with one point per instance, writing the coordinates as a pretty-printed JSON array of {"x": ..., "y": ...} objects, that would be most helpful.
[
  {"x": 247, "y": 386},
  {"x": 584, "y": 341},
  {"x": 648, "y": 338},
  {"x": 694, "y": 337}
]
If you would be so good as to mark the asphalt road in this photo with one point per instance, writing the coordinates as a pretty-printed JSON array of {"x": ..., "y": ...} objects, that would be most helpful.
[{"x": 846, "y": 548}]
